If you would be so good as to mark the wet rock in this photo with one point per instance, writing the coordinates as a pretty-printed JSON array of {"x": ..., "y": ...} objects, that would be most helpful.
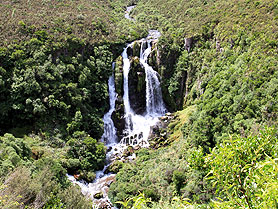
[
  {"x": 158, "y": 134},
  {"x": 118, "y": 116},
  {"x": 119, "y": 75},
  {"x": 104, "y": 205},
  {"x": 136, "y": 48},
  {"x": 109, "y": 149},
  {"x": 169, "y": 114},
  {"x": 129, "y": 51},
  {"x": 128, "y": 152},
  {"x": 137, "y": 86},
  {"x": 153, "y": 59},
  {"x": 98, "y": 195}
]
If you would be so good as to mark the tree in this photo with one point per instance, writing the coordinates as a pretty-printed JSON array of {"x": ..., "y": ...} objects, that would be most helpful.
[{"x": 244, "y": 170}]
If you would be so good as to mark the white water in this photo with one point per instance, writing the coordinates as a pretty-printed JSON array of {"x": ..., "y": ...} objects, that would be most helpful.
[
  {"x": 109, "y": 136},
  {"x": 137, "y": 127},
  {"x": 128, "y": 10},
  {"x": 154, "y": 104}
]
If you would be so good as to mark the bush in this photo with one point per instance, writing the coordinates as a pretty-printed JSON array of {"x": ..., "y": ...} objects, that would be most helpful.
[{"x": 243, "y": 170}]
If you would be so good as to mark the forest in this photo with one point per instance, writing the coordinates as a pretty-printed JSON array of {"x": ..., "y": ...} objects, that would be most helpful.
[{"x": 217, "y": 61}]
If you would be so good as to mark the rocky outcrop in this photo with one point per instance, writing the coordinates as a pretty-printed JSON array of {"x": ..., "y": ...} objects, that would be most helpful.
[
  {"x": 114, "y": 167},
  {"x": 188, "y": 43},
  {"x": 136, "y": 49},
  {"x": 137, "y": 86},
  {"x": 153, "y": 59},
  {"x": 159, "y": 135},
  {"x": 119, "y": 75},
  {"x": 118, "y": 116}
]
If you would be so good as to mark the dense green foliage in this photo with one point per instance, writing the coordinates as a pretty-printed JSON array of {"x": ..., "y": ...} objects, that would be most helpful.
[
  {"x": 245, "y": 170},
  {"x": 166, "y": 172},
  {"x": 33, "y": 172},
  {"x": 229, "y": 75},
  {"x": 242, "y": 172},
  {"x": 55, "y": 60},
  {"x": 85, "y": 155},
  {"x": 66, "y": 92}
]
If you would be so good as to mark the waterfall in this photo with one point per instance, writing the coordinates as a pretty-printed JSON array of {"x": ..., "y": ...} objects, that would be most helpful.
[
  {"x": 137, "y": 127},
  {"x": 109, "y": 135},
  {"x": 154, "y": 104},
  {"x": 128, "y": 111}
]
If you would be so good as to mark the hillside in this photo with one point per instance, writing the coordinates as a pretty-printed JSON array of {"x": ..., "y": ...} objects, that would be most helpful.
[
  {"x": 228, "y": 70},
  {"x": 217, "y": 62}
]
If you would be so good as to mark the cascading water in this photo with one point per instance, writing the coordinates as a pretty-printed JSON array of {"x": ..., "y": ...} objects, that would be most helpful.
[
  {"x": 109, "y": 136},
  {"x": 137, "y": 127},
  {"x": 128, "y": 111},
  {"x": 154, "y": 104}
]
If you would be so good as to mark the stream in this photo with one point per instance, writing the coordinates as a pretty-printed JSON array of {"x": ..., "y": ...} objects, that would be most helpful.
[{"x": 137, "y": 127}]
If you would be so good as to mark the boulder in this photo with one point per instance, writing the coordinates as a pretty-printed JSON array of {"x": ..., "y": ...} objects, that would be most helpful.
[
  {"x": 128, "y": 151},
  {"x": 118, "y": 116},
  {"x": 98, "y": 195}
]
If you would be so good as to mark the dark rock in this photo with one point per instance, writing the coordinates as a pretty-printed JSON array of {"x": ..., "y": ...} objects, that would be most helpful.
[
  {"x": 118, "y": 116},
  {"x": 136, "y": 48},
  {"x": 137, "y": 86},
  {"x": 129, "y": 151},
  {"x": 119, "y": 76},
  {"x": 153, "y": 59},
  {"x": 159, "y": 135},
  {"x": 98, "y": 195},
  {"x": 129, "y": 51},
  {"x": 109, "y": 149},
  {"x": 188, "y": 43}
]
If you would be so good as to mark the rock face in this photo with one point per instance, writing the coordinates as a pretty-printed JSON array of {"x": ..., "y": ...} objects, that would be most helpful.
[
  {"x": 119, "y": 76},
  {"x": 118, "y": 116},
  {"x": 159, "y": 134},
  {"x": 136, "y": 48},
  {"x": 188, "y": 43},
  {"x": 153, "y": 59},
  {"x": 137, "y": 86}
]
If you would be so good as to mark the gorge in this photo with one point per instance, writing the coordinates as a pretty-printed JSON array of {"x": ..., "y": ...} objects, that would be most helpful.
[{"x": 185, "y": 117}]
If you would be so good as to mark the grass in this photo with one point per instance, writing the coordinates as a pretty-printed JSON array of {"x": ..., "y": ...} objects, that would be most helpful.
[
  {"x": 176, "y": 125},
  {"x": 93, "y": 21}
]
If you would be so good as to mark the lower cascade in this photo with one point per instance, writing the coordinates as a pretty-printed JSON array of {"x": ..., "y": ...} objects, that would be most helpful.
[{"x": 137, "y": 126}]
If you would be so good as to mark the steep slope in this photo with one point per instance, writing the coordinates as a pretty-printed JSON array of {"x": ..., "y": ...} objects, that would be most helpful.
[{"x": 220, "y": 56}]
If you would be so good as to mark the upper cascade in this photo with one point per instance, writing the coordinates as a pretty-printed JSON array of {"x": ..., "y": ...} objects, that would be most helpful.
[
  {"x": 137, "y": 126},
  {"x": 154, "y": 104}
]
